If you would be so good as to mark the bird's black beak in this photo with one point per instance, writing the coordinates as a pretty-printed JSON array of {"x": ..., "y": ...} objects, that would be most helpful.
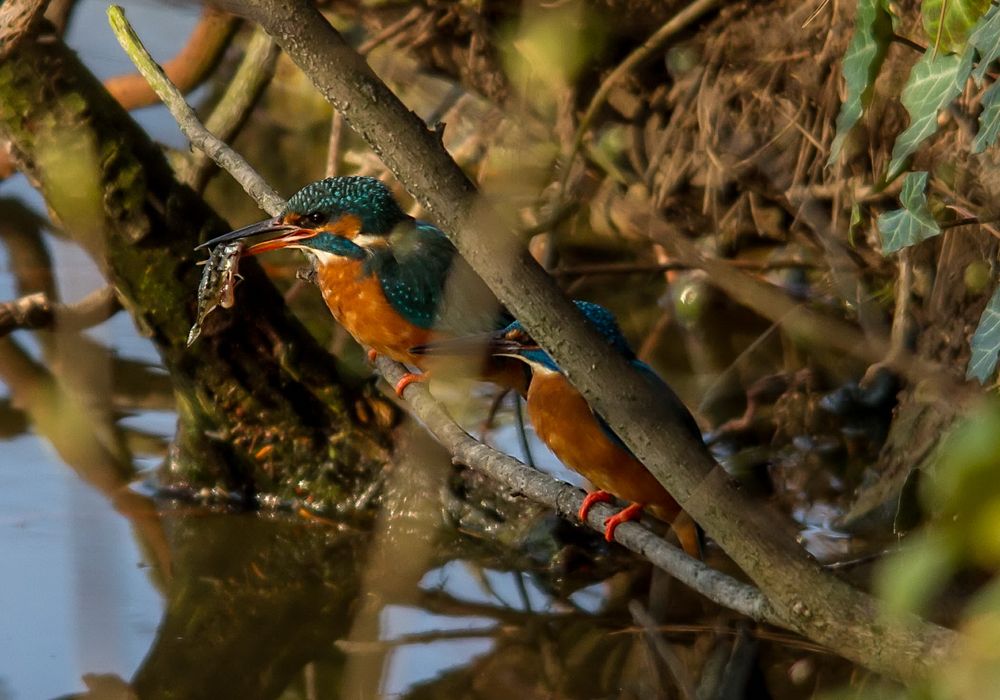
[
  {"x": 278, "y": 234},
  {"x": 470, "y": 346}
]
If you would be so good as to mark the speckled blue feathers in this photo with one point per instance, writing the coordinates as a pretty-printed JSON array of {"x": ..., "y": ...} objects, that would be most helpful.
[
  {"x": 414, "y": 271},
  {"x": 597, "y": 316},
  {"x": 416, "y": 264},
  {"x": 364, "y": 197}
]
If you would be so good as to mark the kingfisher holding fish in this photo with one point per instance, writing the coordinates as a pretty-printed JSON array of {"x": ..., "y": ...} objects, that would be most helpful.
[
  {"x": 392, "y": 281},
  {"x": 577, "y": 435},
  {"x": 400, "y": 288}
]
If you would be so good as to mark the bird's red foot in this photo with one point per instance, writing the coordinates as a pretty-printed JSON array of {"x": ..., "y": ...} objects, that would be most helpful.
[
  {"x": 590, "y": 500},
  {"x": 632, "y": 512},
  {"x": 408, "y": 379},
  {"x": 372, "y": 354}
]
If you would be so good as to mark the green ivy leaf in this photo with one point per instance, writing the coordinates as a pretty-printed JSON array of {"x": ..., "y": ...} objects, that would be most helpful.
[
  {"x": 862, "y": 60},
  {"x": 855, "y": 222},
  {"x": 934, "y": 82},
  {"x": 948, "y": 22},
  {"x": 989, "y": 120},
  {"x": 986, "y": 342},
  {"x": 911, "y": 224},
  {"x": 985, "y": 38}
]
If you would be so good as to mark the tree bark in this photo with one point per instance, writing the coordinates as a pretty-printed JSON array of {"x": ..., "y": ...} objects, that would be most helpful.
[
  {"x": 805, "y": 597},
  {"x": 260, "y": 405}
]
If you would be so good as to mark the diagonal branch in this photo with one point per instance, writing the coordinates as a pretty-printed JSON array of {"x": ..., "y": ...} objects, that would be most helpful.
[
  {"x": 566, "y": 501},
  {"x": 561, "y": 497},
  {"x": 803, "y": 597}
]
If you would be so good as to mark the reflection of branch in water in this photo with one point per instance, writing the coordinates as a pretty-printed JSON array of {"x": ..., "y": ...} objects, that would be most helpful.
[
  {"x": 86, "y": 442},
  {"x": 254, "y": 600},
  {"x": 39, "y": 311},
  {"x": 402, "y": 549},
  {"x": 351, "y": 647},
  {"x": 658, "y": 646},
  {"x": 27, "y": 255}
]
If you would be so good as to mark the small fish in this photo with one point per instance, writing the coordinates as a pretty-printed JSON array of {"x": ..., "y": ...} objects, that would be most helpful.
[{"x": 218, "y": 283}]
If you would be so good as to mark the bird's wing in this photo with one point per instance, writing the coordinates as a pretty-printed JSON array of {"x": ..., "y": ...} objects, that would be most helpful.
[{"x": 425, "y": 279}]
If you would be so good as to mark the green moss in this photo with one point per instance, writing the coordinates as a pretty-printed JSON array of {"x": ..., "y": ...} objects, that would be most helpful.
[{"x": 236, "y": 381}]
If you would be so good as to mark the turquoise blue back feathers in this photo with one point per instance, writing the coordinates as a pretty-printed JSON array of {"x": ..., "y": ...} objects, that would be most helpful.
[{"x": 416, "y": 264}]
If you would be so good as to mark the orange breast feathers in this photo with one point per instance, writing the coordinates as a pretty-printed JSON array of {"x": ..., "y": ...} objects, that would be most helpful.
[
  {"x": 359, "y": 305},
  {"x": 564, "y": 421}
]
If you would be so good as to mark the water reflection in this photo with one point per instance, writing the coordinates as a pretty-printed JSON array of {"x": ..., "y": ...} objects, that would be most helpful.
[{"x": 481, "y": 603}]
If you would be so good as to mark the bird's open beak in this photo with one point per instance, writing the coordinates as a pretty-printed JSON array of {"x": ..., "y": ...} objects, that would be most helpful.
[{"x": 277, "y": 235}]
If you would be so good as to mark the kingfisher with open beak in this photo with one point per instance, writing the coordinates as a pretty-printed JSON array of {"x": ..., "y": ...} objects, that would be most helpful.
[
  {"x": 581, "y": 438},
  {"x": 392, "y": 281}
]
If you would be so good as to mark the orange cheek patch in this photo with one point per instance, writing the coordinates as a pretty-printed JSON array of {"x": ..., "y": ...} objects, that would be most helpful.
[{"x": 347, "y": 226}]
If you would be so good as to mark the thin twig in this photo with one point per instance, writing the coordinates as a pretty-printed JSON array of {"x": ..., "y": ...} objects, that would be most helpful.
[
  {"x": 333, "y": 146},
  {"x": 242, "y": 93},
  {"x": 186, "y": 119},
  {"x": 350, "y": 646},
  {"x": 762, "y": 633},
  {"x": 566, "y": 501},
  {"x": 522, "y": 434},
  {"x": 391, "y": 30}
]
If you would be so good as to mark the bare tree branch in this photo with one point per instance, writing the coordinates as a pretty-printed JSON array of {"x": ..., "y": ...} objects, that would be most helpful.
[
  {"x": 803, "y": 597},
  {"x": 566, "y": 501},
  {"x": 188, "y": 121}
]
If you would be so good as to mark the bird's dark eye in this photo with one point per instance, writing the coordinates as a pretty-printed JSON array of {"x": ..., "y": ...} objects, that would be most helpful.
[{"x": 315, "y": 218}]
